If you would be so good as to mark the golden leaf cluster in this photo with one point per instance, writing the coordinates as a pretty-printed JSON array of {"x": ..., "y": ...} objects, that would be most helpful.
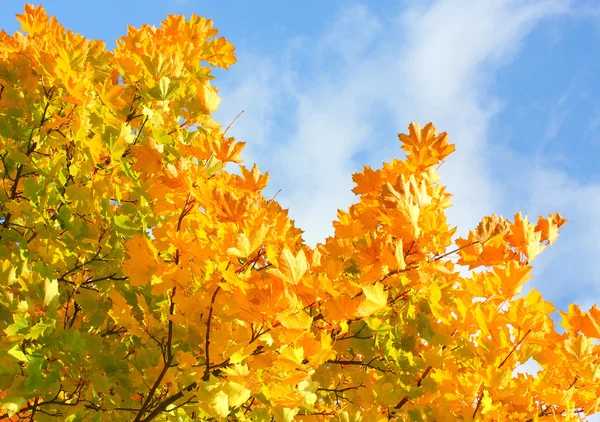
[{"x": 141, "y": 280}]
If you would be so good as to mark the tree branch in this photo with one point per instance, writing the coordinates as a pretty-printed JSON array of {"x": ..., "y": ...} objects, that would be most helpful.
[
  {"x": 513, "y": 349},
  {"x": 206, "y": 375},
  {"x": 168, "y": 359},
  {"x": 359, "y": 363}
]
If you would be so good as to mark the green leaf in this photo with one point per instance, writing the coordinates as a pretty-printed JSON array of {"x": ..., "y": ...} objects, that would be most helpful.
[
  {"x": 6, "y": 129},
  {"x": 44, "y": 270},
  {"x": 72, "y": 342},
  {"x": 17, "y": 353},
  {"x": 124, "y": 222},
  {"x": 112, "y": 366},
  {"x": 161, "y": 135},
  {"x": 19, "y": 157},
  {"x": 37, "y": 330},
  {"x": 164, "y": 87},
  {"x": 100, "y": 382},
  {"x": 21, "y": 322},
  {"x": 35, "y": 379},
  {"x": 30, "y": 188},
  {"x": 75, "y": 417},
  {"x": 12, "y": 404},
  {"x": 415, "y": 415}
]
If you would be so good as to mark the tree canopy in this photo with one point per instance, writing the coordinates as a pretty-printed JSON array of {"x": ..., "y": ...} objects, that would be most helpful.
[{"x": 143, "y": 280}]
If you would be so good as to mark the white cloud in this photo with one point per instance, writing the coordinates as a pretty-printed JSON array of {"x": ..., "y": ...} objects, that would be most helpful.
[
  {"x": 256, "y": 94},
  {"x": 556, "y": 117},
  {"x": 434, "y": 62}
]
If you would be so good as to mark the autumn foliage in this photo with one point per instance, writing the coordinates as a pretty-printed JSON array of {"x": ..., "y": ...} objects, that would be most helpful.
[{"x": 141, "y": 280}]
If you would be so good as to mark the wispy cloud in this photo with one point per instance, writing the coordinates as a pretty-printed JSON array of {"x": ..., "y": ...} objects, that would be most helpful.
[
  {"x": 256, "y": 93},
  {"x": 433, "y": 62},
  {"x": 557, "y": 116}
]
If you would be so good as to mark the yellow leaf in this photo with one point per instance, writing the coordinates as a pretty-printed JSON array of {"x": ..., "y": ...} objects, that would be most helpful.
[
  {"x": 51, "y": 291},
  {"x": 96, "y": 148},
  {"x": 220, "y": 404},
  {"x": 284, "y": 414},
  {"x": 228, "y": 150},
  {"x": 368, "y": 181},
  {"x": 237, "y": 394},
  {"x": 185, "y": 359},
  {"x": 272, "y": 255},
  {"x": 242, "y": 248},
  {"x": 299, "y": 321},
  {"x": 375, "y": 299},
  {"x": 580, "y": 348},
  {"x": 512, "y": 277},
  {"x": 297, "y": 265},
  {"x": 292, "y": 355},
  {"x": 486, "y": 402},
  {"x": 220, "y": 52}
]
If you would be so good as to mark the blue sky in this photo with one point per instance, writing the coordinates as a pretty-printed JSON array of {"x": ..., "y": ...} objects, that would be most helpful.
[{"x": 326, "y": 86}]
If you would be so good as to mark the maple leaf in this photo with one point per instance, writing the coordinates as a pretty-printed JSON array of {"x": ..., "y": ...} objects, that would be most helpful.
[
  {"x": 34, "y": 20},
  {"x": 220, "y": 53},
  {"x": 549, "y": 227},
  {"x": 244, "y": 247},
  {"x": 149, "y": 157},
  {"x": 229, "y": 206},
  {"x": 369, "y": 181},
  {"x": 512, "y": 277},
  {"x": 228, "y": 150},
  {"x": 253, "y": 179},
  {"x": 587, "y": 323},
  {"x": 580, "y": 348},
  {"x": 375, "y": 299},
  {"x": 425, "y": 148},
  {"x": 491, "y": 226},
  {"x": 142, "y": 261},
  {"x": 524, "y": 237},
  {"x": 297, "y": 265}
]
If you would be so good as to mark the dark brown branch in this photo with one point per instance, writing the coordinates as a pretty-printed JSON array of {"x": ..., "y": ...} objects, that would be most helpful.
[
  {"x": 35, "y": 406},
  {"x": 108, "y": 277},
  {"x": 356, "y": 335},
  {"x": 206, "y": 375},
  {"x": 79, "y": 266},
  {"x": 114, "y": 330},
  {"x": 478, "y": 405},
  {"x": 513, "y": 349},
  {"x": 420, "y": 380},
  {"x": 162, "y": 406},
  {"x": 550, "y": 410},
  {"x": 438, "y": 257},
  {"x": 338, "y": 392},
  {"x": 359, "y": 363},
  {"x": 31, "y": 146},
  {"x": 168, "y": 359},
  {"x": 70, "y": 319},
  {"x": 401, "y": 403}
]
